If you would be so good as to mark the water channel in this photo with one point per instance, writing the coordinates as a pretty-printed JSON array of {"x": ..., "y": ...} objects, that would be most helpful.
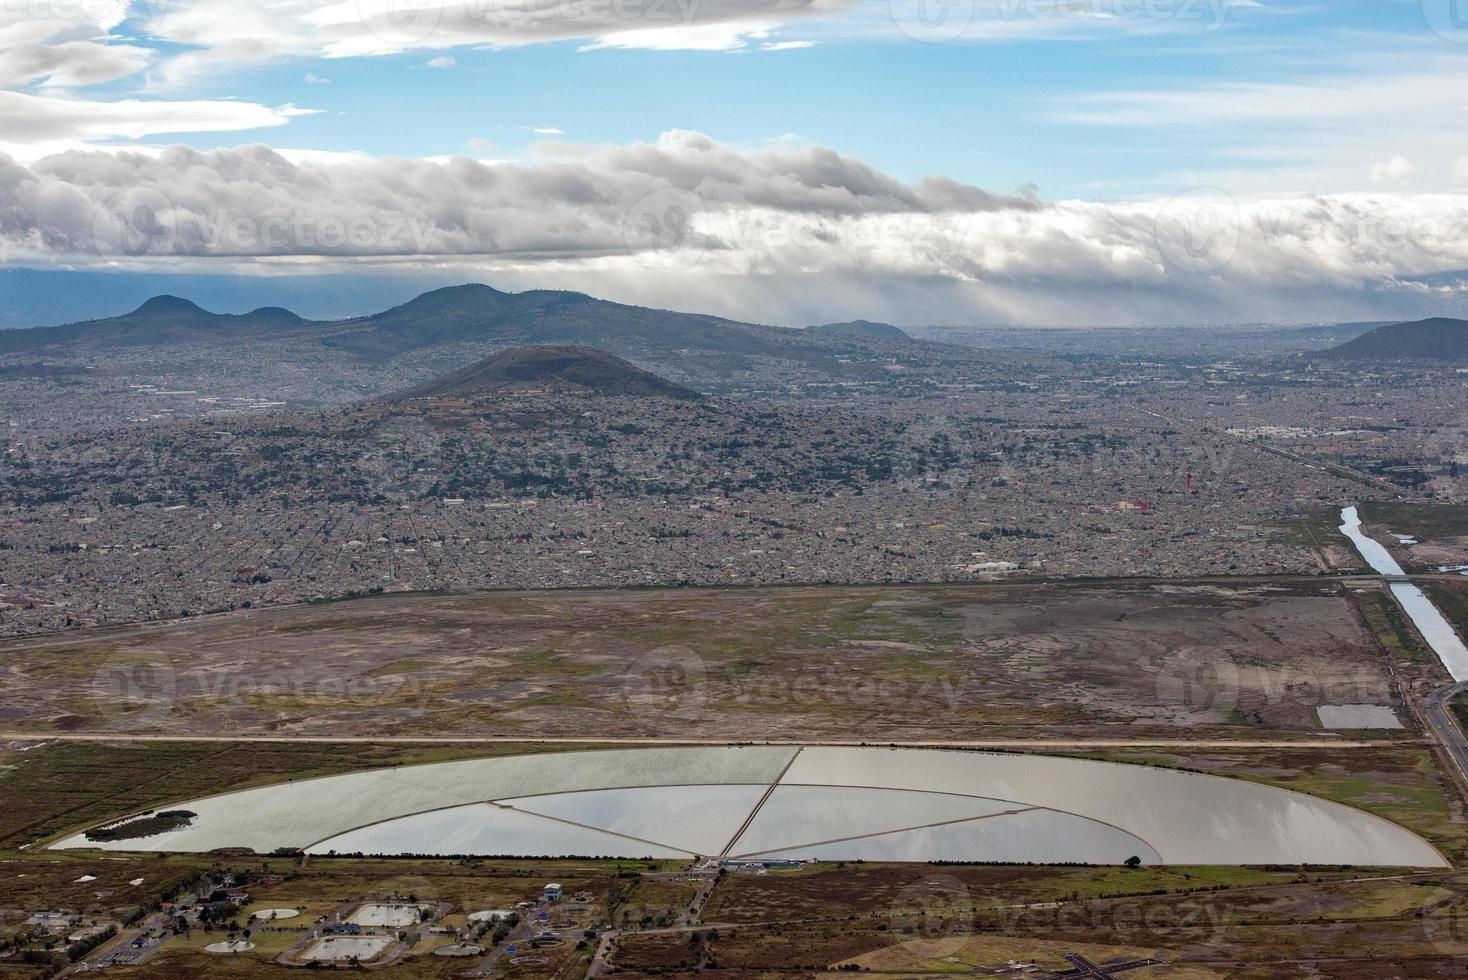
[{"x": 1428, "y": 619}]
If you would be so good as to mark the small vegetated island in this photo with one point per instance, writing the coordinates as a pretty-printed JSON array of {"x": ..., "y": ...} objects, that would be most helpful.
[{"x": 147, "y": 825}]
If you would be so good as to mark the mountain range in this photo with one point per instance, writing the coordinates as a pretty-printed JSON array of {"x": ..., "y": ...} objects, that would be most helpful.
[
  {"x": 471, "y": 312},
  {"x": 161, "y": 321}
]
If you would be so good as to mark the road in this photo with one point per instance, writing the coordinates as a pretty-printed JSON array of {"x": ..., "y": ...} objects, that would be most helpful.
[
  {"x": 599, "y": 963},
  {"x": 519, "y": 938},
  {"x": 993, "y": 743},
  {"x": 1440, "y": 718}
]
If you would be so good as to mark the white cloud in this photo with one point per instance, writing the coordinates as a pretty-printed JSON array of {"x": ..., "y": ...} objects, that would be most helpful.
[
  {"x": 311, "y": 78},
  {"x": 546, "y": 131},
  {"x": 69, "y": 63},
  {"x": 786, "y": 45},
  {"x": 801, "y": 216},
  {"x": 65, "y": 44},
  {"x": 730, "y": 36},
  {"x": 575, "y": 203},
  {"x": 49, "y": 50},
  {"x": 443, "y": 62},
  {"x": 1001, "y": 21},
  {"x": 224, "y": 32},
  {"x": 1393, "y": 171},
  {"x": 35, "y": 119},
  {"x": 1319, "y": 132},
  {"x": 1357, "y": 94}
]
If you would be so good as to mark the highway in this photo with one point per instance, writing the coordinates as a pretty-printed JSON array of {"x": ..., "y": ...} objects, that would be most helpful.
[{"x": 1440, "y": 718}]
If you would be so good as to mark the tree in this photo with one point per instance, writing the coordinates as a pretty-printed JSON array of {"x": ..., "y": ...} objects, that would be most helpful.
[{"x": 1133, "y": 862}]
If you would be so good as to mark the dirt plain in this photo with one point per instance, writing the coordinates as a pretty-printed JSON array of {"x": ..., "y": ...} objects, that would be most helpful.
[{"x": 1193, "y": 659}]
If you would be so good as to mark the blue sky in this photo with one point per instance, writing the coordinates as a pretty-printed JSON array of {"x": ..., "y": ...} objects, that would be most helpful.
[
  {"x": 985, "y": 108},
  {"x": 1256, "y": 106}
]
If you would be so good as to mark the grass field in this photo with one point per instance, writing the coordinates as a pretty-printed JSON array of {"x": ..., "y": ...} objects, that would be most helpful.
[
  {"x": 1320, "y": 531},
  {"x": 1440, "y": 530},
  {"x": 1451, "y": 597},
  {"x": 907, "y": 920},
  {"x": 1389, "y": 625},
  {"x": 1427, "y": 522}
]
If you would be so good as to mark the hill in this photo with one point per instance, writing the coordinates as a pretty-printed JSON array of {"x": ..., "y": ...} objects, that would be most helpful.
[
  {"x": 565, "y": 366},
  {"x": 475, "y": 312},
  {"x": 162, "y": 320},
  {"x": 860, "y": 330},
  {"x": 1439, "y": 339}
]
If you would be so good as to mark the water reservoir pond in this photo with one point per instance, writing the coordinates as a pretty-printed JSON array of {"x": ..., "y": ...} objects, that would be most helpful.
[{"x": 813, "y": 802}]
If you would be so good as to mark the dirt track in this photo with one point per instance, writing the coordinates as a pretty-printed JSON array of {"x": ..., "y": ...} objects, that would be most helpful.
[{"x": 1322, "y": 743}]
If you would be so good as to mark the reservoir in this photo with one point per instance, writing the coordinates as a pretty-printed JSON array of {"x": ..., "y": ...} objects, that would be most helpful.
[{"x": 841, "y": 803}]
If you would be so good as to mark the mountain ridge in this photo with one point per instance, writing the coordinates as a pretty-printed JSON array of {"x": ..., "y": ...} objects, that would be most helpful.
[
  {"x": 474, "y": 311},
  {"x": 160, "y": 321},
  {"x": 445, "y": 328}
]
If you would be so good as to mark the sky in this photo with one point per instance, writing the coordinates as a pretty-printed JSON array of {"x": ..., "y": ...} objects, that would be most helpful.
[{"x": 921, "y": 161}]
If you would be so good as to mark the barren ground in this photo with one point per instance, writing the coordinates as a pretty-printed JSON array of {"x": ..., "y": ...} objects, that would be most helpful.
[{"x": 904, "y": 663}]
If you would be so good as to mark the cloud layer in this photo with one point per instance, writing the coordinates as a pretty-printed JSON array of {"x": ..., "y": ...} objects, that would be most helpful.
[
  {"x": 48, "y": 50},
  {"x": 224, "y": 32},
  {"x": 692, "y": 206}
]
